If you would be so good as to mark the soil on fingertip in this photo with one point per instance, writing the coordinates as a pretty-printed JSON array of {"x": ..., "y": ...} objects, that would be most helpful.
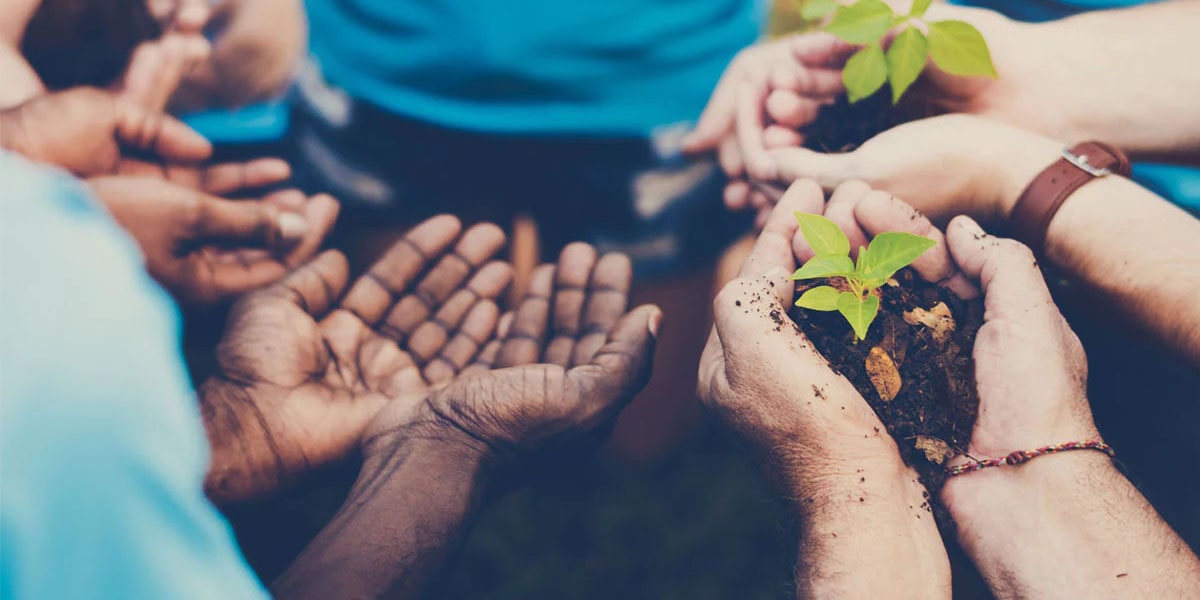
[{"x": 918, "y": 351}]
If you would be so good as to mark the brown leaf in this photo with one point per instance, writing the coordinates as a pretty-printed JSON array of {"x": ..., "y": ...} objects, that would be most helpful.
[
  {"x": 884, "y": 375},
  {"x": 938, "y": 319},
  {"x": 936, "y": 451}
]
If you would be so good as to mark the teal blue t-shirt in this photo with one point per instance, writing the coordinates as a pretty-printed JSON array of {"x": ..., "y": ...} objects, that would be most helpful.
[
  {"x": 541, "y": 67},
  {"x": 1177, "y": 183},
  {"x": 102, "y": 450}
]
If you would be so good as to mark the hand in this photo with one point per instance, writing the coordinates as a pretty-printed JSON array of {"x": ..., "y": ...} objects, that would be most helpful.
[
  {"x": 157, "y": 67},
  {"x": 944, "y": 166},
  {"x": 735, "y": 124},
  {"x": 257, "y": 47},
  {"x": 570, "y": 361},
  {"x": 218, "y": 179},
  {"x": 206, "y": 249},
  {"x": 303, "y": 369},
  {"x": 86, "y": 131}
]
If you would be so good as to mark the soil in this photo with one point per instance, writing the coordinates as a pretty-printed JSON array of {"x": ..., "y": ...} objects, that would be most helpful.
[
  {"x": 842, "y": 126},
  {"x": 934, "y": 401}
]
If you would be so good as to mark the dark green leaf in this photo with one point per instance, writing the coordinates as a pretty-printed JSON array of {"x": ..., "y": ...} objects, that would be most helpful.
[
  {"x": 959, "y": 49},
  {"x": 863, "y": 22},
  {"x": 905, "y": 60},
  {"x": 919, "y": 7},
  {"x": 890, "y": 252},
  {"x": 865, "y": 73},
  {"x": 822, "y": 298},
  {"x": 823, "y": 235},
  {"x": 824, "y": 266},
  {"x": 859, "y": 312},
  {"x": 817, "y": 9}
]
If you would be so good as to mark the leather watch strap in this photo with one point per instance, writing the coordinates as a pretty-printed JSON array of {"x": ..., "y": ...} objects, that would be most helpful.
[{"x": 1043, "y": 197}]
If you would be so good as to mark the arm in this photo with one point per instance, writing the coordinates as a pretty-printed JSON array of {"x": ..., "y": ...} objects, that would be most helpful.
[{"x": 864, "y": 532}]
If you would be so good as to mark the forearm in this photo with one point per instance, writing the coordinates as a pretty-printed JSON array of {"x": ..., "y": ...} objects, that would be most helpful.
[
  {"x": 867, "y": 532},
  {"x": 406, "y": 515},
  {"x": 1068, "y": 525}
]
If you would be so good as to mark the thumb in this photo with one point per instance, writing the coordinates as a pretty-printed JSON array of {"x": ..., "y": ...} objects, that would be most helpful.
[
  {"x": 828, "y": 170},
  {"x": 621, "y": 368},
  {"x": 247, "y": 223}
]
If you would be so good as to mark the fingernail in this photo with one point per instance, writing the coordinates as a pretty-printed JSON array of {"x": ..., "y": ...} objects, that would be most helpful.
[
  {"x": 276, "y": 169},
  {"x": 292, "y": 226},
  {"x": 655, "y": 322}
]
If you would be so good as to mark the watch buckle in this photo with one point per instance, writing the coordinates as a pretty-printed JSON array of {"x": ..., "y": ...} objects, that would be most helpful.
[{"x": 1081, "y": 161}]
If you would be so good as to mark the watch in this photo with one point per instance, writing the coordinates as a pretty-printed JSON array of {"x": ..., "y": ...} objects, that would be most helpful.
[{"x": 1043, "y": 197}]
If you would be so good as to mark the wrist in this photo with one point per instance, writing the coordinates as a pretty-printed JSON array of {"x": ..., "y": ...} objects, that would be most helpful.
[{"x": 1021, "y": 158}]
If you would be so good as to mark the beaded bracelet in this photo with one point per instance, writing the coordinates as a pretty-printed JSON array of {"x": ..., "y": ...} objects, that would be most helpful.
[{"x": 1023, "y": 456}]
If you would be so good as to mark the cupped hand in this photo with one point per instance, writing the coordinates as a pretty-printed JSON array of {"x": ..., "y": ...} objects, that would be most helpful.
[
  {"x": 305, "y": 365},
  {"x": 89, "y": 132},
  {"x": 571, "y": 359},
  {"x": 205, "y": 249}
]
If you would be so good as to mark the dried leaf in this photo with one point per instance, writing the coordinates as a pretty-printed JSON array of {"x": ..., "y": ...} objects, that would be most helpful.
[
  {"x": 884, "y": 374},
  {"x": 938, "y": 319},
  {"x": 936, "y": 451}
]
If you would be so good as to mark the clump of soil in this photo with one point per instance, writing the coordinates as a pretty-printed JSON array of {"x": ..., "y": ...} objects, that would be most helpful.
[
  {"x": 842, "y": 126},
  {"x": 915, "y": 368}
]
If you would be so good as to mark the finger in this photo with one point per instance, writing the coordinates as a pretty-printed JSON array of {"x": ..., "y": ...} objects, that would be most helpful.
[
  {"x": 750, "y": 126},
  {"x": 484, "y": 360},
  {"x": 321, "y": 214},
  {"x": 717, "y": 118},
  {"x": 571, "y": 284},
  {"x": 828, "y": 170},
  {"x": 776, "y": 136},
  {"x": 801, "y": 197},
  {"x": 476, "y": 247},
  {"x": 1013, "y": 286},
  {"x": 791, "y": 110},
  {"x": 410, "y": 322},
  {"x": 729, "y": 156},
  {"x": 607, "y": 301},
  {"x": 375, "y": 292},
  {"x": 477, "y": 328},
  {"x": 737, "y": 194},
  {"x": 288, "y": 200},
  {"x": 247, "y": 223},
  {"x": 621, "y": 368},
  {"x": 316, "y": 286},
  {"x": 523, "y": 343},
  {"x": 161, "y": 134},
  {"x": 231, "y": 279},
  {"x": 840, "y": 210},
  {"x": 227, "y": 178},
  {"x": 822, "y": 50},
  {"x": 772, "y": 252},
  {"x": 880, "y": 212}
]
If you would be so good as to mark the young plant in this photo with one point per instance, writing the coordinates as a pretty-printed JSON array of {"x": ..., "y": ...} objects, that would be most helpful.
[
  {"x": 956, "y": 47},
  {"x": 886, "y": 254}
]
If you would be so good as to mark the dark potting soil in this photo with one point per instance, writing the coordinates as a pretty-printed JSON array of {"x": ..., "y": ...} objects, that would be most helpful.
[
  {"x": 842, "y": 126},
  {"x": 935, "y": 401}
]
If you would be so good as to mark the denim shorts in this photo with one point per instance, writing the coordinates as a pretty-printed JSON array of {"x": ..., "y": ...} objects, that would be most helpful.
[{"x": 639, "y": 196}]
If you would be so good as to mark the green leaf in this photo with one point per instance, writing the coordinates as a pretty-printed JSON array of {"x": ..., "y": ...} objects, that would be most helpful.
[
  {"x": 890, "y": 252},
  {"x": 905, "y": 60},
  {"x": 822, "y": 298},
  {"x": 824, "y": 266},
  {"x": 823, "y": 235},
  {"x": 862, "y": 259},
  {"x": 959, "y": 49},
  {"x": 863, "y": 22},
  {"x": 818, "y": 9},
  {"x": 919, "y": 7},
  {"x": 865, "y": 73},
  {"x": 859, "y": 312}
]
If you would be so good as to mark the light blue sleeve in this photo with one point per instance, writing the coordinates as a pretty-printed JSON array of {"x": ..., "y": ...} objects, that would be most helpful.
[{"x": 102, "y": 450}]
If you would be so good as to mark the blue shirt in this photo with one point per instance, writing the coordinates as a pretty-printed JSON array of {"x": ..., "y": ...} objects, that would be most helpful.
[
  {"x": 550, "y": 67},
  {"x": 1177, "y": 183},
  {"x": 102, "y": 449}
]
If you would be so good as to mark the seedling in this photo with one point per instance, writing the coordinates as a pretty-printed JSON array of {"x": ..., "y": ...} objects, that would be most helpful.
[
  {"x": 877, "y": 263},
  {"x": 956, "y": 47}
]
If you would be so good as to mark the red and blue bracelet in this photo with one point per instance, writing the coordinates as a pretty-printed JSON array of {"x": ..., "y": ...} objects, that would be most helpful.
[{"x": 1023, "y": 456}]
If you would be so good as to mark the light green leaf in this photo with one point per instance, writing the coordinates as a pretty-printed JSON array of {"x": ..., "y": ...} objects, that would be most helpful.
[
  {"x": 890, "y": 252},
  {"x": 905, "y": 60},
  {"x": 859, "y": 312},
  {"x": 865, "y": 73},
  {"x": 919, "y": 7},
  {"x": 863, "y": 22},
  {"x": 822, "y": 298},
  {"x": 823, "y": 235},
  {"x": 817, "y": 9},
  {"x": 862, "y": 259},
  {"x": 958, "y": 48},
  {"x": 824, "y": 266}
]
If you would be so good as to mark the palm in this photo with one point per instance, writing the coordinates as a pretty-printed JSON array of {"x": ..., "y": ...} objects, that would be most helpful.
[{"x": 303, "y": 368}]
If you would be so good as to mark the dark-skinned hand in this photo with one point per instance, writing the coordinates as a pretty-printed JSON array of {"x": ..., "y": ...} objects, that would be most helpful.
[
  {"x": 571, "y": 359},
  {"x": 205, "y": 249},
  {"x": 305, "y": 365}
]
